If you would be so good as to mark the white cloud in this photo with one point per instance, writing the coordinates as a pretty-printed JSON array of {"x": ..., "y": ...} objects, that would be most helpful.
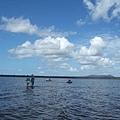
[
  {"x": 80, "y": 22},
  {"x": 41, "y": 72},
  {"x": 113, "y": 49},
  {"x": 24, "y": 50},
  {"x": 106, "y": 62},
  {"x": 97, "y": 45},
  {"x": 19, "y": 70},
  {"x": 20, "y": 25},
  {"x": 93, "y": 56},
  {"x": 100, "y": 54},
  {"x": 68, "y": 67},
  {"x": 116, "y": 11},
  {"x": 39, "y": 68},
  {"x": 73, "y": 69},
  {"x": 56, "y": 49},
  {"x": 87, "y": 67},
  {"x": 106, "y": 9},
  {"x": 89, "y": 4},
  {"x": 65, "y": 66},
  {"x": 96, "y": 62}
]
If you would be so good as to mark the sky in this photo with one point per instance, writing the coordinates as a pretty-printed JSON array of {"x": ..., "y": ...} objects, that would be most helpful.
[{"x": 60, "y": 37}]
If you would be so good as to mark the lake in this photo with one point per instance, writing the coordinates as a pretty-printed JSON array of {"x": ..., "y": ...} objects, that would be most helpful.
[{"x": 84, "y": 99}]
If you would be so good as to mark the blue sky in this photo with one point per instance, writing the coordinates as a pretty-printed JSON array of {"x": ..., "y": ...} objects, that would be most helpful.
[{"x": 60, "y": 37}]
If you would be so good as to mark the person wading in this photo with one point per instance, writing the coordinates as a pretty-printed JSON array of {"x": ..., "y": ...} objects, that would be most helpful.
[
  {"x": 27, "y": 82},
  {"x": 32, "y": 80}
]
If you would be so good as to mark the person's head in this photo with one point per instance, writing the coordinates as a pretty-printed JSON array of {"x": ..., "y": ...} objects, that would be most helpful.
[{"x": 32, "y": 74}]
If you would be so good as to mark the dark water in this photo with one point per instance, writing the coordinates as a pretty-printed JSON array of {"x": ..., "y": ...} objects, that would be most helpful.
[{"x": 58, "y": 100}]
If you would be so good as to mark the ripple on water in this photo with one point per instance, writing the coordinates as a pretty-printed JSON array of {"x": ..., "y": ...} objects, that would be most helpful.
[{"x": 56, "y": 100}]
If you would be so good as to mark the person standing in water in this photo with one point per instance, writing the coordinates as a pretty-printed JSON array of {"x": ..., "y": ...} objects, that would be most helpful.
[
  {"x": 27, "y": 82},
  {"x": 32, "y": 80}
]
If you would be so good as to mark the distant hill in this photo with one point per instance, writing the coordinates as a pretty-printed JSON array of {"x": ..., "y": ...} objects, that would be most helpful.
[{"x": 101, "y": 76}]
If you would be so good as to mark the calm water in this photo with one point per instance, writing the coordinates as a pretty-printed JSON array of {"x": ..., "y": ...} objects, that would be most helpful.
[{"x": 57, "y": 100}]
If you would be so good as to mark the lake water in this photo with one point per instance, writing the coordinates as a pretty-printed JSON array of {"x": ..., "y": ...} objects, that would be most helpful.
[{"x": 84, "y": 99}]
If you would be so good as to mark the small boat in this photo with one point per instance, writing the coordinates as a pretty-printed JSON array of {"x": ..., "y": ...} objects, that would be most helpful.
[
  {"x": 69, "y": 81},
  {"x": 48, "y": 80}
]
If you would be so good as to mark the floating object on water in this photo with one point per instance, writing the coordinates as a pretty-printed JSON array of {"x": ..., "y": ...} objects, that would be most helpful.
[
  {"x": 48, "y": 80},
  {"x": 69, "y": 81}
]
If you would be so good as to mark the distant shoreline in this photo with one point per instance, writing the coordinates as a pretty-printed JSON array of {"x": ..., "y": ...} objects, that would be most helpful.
[{"x": 78, "y": 77}]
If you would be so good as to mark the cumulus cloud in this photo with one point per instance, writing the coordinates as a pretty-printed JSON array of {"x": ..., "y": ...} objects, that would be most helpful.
[
  {"x": 56, "y": 49},
  {"x": 20, "y": 25},
  {"x": 92, "y": 57},
  {"x": 24, "y": 50},
  {"x": 60, "y": 49},
  {"x": 106, "y": 9},
  {"x": 96, "y": 47},
  {"x": 96, "y": 62},
  {"x": 113, "y": 49},
  {"x": 106, "y": 62},
  {"x": 68, "y": 67},
  {"x": 87, "y": 67}
]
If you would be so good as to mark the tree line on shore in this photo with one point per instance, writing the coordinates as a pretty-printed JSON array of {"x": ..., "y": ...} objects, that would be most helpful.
[{"x": 79, "y": 77}]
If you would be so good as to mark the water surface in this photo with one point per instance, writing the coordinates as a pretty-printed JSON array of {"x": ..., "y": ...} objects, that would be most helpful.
[{"x": 84, "y": 99}]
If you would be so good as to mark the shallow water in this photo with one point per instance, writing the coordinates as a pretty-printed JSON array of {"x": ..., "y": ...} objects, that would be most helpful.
[{"x": 57, "y": 100}]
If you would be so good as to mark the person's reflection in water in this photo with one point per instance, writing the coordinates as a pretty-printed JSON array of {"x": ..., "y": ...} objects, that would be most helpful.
[{"x": 29, "y": 99}]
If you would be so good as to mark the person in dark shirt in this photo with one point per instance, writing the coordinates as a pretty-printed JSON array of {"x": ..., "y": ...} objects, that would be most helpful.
[{"x": 32, "y": 80}]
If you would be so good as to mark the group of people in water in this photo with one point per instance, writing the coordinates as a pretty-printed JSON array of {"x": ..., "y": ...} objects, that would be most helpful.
[
  {"x": 32, "y": 79},
  {"x": 28, "y": 80}
]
